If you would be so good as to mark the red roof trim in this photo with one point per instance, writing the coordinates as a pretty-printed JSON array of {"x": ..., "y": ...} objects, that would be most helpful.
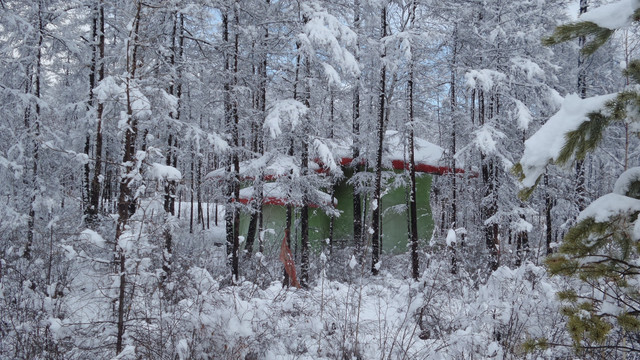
[
  {"x": 275, "y": 201},
  {"x": 395, "y": 164},
  {"x": 420, "y": 167}
]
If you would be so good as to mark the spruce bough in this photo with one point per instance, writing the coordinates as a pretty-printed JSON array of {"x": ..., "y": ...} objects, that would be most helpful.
[{"x": 602, "y": 251}]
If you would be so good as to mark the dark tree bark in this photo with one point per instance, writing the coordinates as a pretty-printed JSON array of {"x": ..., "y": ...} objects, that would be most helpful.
[
  {"x": 230, "y": 182},
  {"x": 34, "y": 131},
  {"x": 581, "y": 192},
  {"x": 126, "y": 203},
  {"x": 358, "y": 237},
  {"x": 522, "y": 245},
  {"x": 489, "y": 207},
  {"x": 376, "y": 236},
  {"x": 261, "y": 106},
  {"x": 171, "y": 157},
  {"x": 413, "y": 207},
  {"x": 548, "y": 206},
  {"x": 454, "y": 186},
  {"x": 235, "y": 271},
  {"x": 97, "y": 75},
  {"x": 304, "y": 211}
]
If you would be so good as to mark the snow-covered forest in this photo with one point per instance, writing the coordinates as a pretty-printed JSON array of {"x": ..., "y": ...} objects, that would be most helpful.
[{"x": 322, "y": 179}]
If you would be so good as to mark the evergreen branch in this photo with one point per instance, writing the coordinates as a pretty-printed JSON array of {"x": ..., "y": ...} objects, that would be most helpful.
[
  {"x": 577, "y": 30},
  {"x": 584, "y": 139}
]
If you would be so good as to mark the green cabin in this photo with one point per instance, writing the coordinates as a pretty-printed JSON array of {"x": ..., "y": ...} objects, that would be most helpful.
[{"x": 429, "y": 160}]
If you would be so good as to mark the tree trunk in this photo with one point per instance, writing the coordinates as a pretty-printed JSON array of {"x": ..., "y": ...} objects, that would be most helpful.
[
  {"x": 358, "y": 239},
  {"x": 261, "y": 106},
  {"x": 98, "y": 35},
  {"x": 548, "y": 206},
  {"x": 454, "y": 188},
  {"x": 126, "y": 203},
  {"x": 236, "y": 143},
  {"x": 172, "y": 157},
  {"x": 489, "y": 207},
  {"x": 34, "y": 131},
  {"x": 376, "y": 236},
  {"x": 230, "y": 181},
  {"x": 413, "y": 207},
  {"x": 581, "y": 192}
]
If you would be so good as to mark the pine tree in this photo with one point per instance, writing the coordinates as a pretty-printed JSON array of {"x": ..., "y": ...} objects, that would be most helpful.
[{"x": 602, "y": 249}]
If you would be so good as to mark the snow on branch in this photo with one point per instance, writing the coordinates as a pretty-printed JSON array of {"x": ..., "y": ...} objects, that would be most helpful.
[
  {"x": 485, "y": 78},
  {"x": 608, "y": 206},
  {"x": 288, "y": 110},
  {"x": 164, "y": 172},
  {"x": 625, "y": 181},
  {"x": 326, "y": 156},
  {"x": 613, "y": 16},
  {"x": 325, "y": 31},
  {"x": 108, "y": 89},
  {"x": 485, "y": 139},
  {"x": 220, "y": 145},
  {"x": 523, "y": 115},
  {"x": 545, "y": 145}
]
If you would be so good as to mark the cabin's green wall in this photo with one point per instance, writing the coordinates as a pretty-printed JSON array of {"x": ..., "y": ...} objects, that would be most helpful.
[
  {"x": 274, "y": 218},
  {"x": 394, "y": 224}
]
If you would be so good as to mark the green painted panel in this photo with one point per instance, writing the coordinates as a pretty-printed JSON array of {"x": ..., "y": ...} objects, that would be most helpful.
[
  {"x": 395, "y": 219},
  {"x": 394, "y": 222},
  {"x": 343, "y": 225},
  {"x": 274, "y": 221}
]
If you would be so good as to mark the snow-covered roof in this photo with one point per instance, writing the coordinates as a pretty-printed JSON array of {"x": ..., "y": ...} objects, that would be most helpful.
[
  {"x": 429, "y": 157},
  {"x": 271, "y": 165},
  {"x": 278, "y": 194},
  {"x": 396, "y": 147}
]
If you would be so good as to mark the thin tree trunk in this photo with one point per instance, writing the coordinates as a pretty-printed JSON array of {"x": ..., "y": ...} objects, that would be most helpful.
[
  {"x": 170, "y": 186},
  {"x": 229, "y": 209},
  {"x": 454, "y": 187},
  {"x": 376, "y": 236},
  {"x": 304, "y": 212},
  {"x": 192, "y": 191},
  {"x": 236, "y": 161},
  {"x": 548, "y": 206},
  {"x": 94, "y": 193},
  {"x": 489, "y": 207},
  {"x": 581, "y": 192},
  {"x": 261, "y": 106},
  {"x": 358, "y": 239},
  {"x": 35, "y": 134},
  {"x": 413, "y": 207},
  {"x": 126, "y": 203},
  {"x": 199, "y": 190}
]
